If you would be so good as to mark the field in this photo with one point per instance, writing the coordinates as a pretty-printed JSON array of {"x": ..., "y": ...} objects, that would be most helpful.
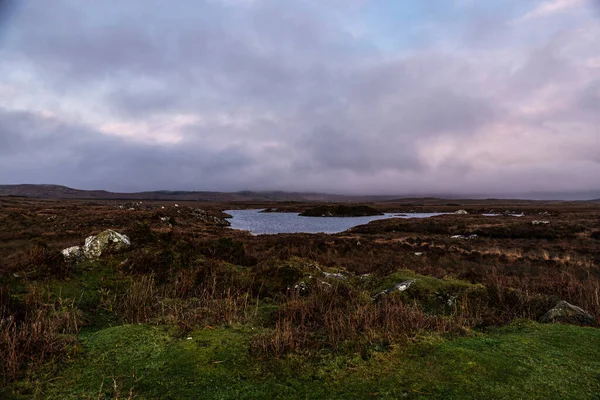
[{"x": 196, "y": 310}]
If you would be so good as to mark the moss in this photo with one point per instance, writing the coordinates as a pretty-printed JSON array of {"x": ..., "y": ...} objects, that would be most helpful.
[
  {"x": 433, "y": 294},
  {"x": 523, "y": 360}
]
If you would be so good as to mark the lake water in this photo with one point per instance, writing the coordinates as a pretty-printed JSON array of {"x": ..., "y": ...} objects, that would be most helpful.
[{"x": 259, "y": 223}]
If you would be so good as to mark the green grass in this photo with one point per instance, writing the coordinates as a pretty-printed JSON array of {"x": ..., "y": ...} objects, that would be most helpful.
[{"x": 523, "y": 360}]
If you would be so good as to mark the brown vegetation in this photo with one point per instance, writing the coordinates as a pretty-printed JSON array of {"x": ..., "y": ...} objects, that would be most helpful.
[{"x": 191, "y": 274}]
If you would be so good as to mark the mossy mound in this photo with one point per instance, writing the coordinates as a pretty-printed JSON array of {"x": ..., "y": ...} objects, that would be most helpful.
[
  {"x": 434, "y": 295},
  {"x": 341, "y": 211}
]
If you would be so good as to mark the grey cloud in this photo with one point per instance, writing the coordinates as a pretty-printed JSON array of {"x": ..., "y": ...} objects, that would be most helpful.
[
  {"x": 39, "y": 149},
  {"x": 280, "y": 96}
]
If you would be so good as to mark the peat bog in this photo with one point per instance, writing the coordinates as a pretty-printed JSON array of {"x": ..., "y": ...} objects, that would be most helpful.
[{"x": 194, "y": 309}]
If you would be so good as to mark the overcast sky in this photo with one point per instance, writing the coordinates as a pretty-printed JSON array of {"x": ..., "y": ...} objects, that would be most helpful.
[{"x": 342, "y": 96}]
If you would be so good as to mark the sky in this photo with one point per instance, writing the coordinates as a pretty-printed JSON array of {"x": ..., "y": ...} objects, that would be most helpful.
[{"x": 337, "y": 96}]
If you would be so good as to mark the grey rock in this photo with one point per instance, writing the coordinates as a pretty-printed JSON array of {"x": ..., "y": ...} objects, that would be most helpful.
[
  {"x": 105, "y": 242},
  {"x": 567, "y": 313}
]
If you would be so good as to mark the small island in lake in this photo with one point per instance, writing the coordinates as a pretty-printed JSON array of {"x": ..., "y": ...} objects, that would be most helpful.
[{"x": 341, "y": 211}]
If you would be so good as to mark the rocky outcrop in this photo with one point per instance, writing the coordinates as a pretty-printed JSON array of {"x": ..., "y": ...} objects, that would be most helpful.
[
  {"x": 108, "y": 241},
  {"x": 567, "y": 313},
  {"x": 209, "y": 219}
]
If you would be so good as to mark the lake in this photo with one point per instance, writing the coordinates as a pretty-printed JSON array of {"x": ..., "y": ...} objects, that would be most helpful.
[{"x": 259, "y": 223}]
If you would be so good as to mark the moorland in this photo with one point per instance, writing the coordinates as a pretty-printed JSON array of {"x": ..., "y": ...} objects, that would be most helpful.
[{"x": 447, "y": 307}]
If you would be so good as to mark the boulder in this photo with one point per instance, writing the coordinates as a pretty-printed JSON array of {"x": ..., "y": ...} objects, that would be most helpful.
[
  {"x": 461, "y": 212},
  {"x": 108, "y": 241},
  {"x": 105, "y": 242},
  {"x": 567, "y": 313}
]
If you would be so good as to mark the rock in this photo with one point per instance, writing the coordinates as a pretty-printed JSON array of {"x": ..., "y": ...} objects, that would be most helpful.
[
  {"x": 209, "y": 219},
  {"x": 400, "y": 287},
  {"x": 105, "y": 242},
  {"x": 301, "y": 288},
  {"x": 567, "y": 313},
  {"x": 95, "y": 246},
  {"x": 462, "y": 212},
  {"x": 418, "y": 254},
  {"x": 540, "y": 222},
  {"x": 74, "y": 253},
  {"x": 135, "y": 206},
  {"x": 472, "y": 236},
  {"x": 447, "y": 299},
  {"x": 337, "y": 275},
  {"x": 451, "y": 301}
]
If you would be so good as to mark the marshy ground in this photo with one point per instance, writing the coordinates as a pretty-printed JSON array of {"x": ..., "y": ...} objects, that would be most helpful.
[{"x": 196, "y": 310}]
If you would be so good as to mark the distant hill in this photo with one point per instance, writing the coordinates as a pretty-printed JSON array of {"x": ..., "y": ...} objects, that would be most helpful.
[{"x": 63, "y": 192}]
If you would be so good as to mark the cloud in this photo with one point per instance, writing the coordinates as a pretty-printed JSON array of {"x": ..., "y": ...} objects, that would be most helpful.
[
  {"x": 222, "y": 95},
  {"x": 551, "y": 7}
]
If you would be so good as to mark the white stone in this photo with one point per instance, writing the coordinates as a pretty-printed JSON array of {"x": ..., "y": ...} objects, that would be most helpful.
[{"x": 72, "y": 253}]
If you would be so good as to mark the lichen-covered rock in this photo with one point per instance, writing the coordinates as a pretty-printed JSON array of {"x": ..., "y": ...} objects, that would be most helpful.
[
  {"x": 105, "y": 242},
  {"x": 74, "y": 253},
  {"x": 567, "y": 313}
]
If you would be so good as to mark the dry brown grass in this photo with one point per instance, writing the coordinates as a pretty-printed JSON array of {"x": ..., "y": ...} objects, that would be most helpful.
[
  {"x": 42, "y": 330},
  {"x": 339, "y": 316}
]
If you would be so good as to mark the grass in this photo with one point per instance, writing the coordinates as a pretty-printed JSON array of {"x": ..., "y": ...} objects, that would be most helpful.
[{"x": 522, "y": 360}]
